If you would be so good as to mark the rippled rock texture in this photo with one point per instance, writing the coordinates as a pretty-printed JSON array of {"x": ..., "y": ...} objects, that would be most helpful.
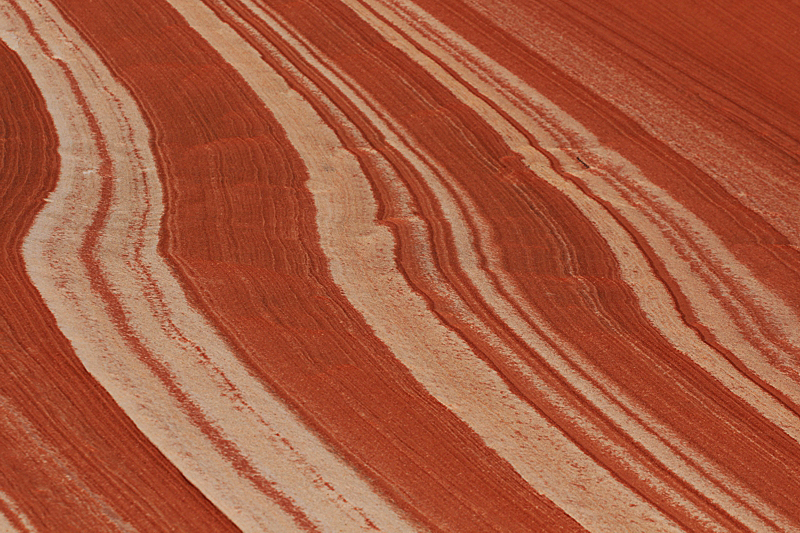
[{"x": 399, "y": 265}]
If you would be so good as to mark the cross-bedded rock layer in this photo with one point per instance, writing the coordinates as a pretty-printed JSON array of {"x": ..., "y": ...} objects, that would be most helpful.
[{"x": 354, "y": 265}]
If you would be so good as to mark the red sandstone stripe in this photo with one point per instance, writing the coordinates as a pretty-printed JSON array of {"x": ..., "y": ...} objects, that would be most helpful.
[{"x": 97, "y": 457}]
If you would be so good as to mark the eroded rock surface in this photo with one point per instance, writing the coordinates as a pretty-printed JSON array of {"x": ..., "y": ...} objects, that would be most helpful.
[{"x": 399, "y": 265}]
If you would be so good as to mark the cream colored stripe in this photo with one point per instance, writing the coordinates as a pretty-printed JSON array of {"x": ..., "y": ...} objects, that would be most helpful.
[
  {"x": 5, "y": 522},
  {"x": 278, "y": 446},
  {"x": 50, "y": 252},
  {"x": 698, "y": 476},
  {"x": 364, "y": 268},
  {"x": 7, "y": 527}
]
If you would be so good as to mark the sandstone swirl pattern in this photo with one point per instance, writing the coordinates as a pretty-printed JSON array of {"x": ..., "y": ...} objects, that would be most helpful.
[{"x": 399, "y": 265}]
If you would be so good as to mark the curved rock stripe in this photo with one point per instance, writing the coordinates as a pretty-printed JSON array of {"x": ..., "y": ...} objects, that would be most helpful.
[
  {"x": 724, "y": 500},
  {"x": 71, "y": 458},
  {"x": 521, "y": 516},
  {"x": 404, "y": 265},
  {"x": 11, "y": 518},
  {"x": 248, "y": 455},
  {"x": 727, "y": 502}
]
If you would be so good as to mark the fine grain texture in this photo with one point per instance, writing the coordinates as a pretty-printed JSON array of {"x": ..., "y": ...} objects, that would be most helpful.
[{"x": 399, "y": 265}]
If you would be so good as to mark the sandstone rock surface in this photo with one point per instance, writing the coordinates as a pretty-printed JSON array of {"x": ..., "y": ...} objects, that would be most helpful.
[{"x": 399, "y": 265}]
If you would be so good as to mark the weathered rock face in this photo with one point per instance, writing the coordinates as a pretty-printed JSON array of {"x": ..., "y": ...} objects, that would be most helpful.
[{"x": 395, "y": 265}]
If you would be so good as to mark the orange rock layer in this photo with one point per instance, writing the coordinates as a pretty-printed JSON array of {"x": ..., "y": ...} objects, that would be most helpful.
[{"x": 399, "y": 265}]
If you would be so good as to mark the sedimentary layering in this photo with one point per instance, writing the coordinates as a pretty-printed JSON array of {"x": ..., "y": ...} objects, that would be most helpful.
[{"x": 399, "y": 265}]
